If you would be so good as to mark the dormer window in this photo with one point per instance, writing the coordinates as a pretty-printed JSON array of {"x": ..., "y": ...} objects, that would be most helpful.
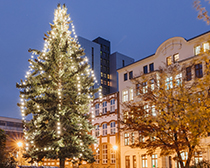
[
  {"x": 168, "y": 60},
  {"x": 176, "y": 58},
  {"x": 205, "y": 46},
  {"x": 197, "y": 50}
]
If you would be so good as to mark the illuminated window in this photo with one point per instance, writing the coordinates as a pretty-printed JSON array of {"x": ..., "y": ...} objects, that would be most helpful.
[
  {"x": 104, "y": 126},
  {"x": 131, "y": 94},
  {"x": 169, "y": 83},
  {"x": 132, "y": 138},
  {"x": 112, "y": 126},
  {"x": 154, "y": 161},
  {"x": 144, "y": 161},
  {"x": 134, "y": 161},
  {"x": 197, "y": 50},
  {"x": 137, "y": 89},
  {"x": 97, "y": 131},
  {"x": 112, "y": 153},
  {"x": 102, "y": 81},
  {"x": 107, "y": 76},
  {"x": 104, "y": 110},
  {"x": 141, "y": 137},
  {"x": 127, "y": 161},
  {"x": 97, "y": 156},
  {"x": 153, "y": 111},
  {"x": 152, "y": 85},
  {"x": 104, "y": 154},
  {"x": 126, "y": 138},
  {"x": 169, "y": 60},
  {"x": 97, "y": 109},
  {"x": 101, "y": 74},
  {"x": 205, "y": 47},
  {"x": 184, "y": 156},
  {"x": 176, "y": 58},
  {"x": 178, "y": 79},
  {"x": 125, "y": 95},
  {"x": 198, "y": 157},
  {"x": 146, "y": 109},
  {"x": 112, "y": 105},
  {"x": 144, "y": 87}
]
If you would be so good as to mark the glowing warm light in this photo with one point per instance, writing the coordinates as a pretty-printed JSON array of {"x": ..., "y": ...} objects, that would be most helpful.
[
  {"x": 115, "y": 147},
  {"x": 19, "y": 144}
]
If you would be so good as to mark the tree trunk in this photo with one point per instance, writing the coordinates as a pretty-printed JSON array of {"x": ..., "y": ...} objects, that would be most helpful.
[{"x": 62, "y": 162}]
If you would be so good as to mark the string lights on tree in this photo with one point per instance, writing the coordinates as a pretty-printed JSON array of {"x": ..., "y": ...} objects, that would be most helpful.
[{"x": 57, "y": 91}]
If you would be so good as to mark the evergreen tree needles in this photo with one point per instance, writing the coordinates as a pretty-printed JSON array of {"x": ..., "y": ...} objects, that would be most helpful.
[{"x": 57, "y": 91}]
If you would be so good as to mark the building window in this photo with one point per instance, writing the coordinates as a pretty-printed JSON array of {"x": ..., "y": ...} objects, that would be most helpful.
[
  {"x": 125, "y": 95},
  {"x": 130, "y": 74},
  {"x": 112, "y": 105},
  {"x": 97, "y": 131},
  {"x": 197, "y": 50},
  {"x": 144, "y": 87},
  {"x": 205, "y": 47},
  {"x": 126, "y": 139},
  {"x": 141, "y": 137},
  {"x": 169, "y": 83},
  {"x": 112, "y": 127},
  {"x": 144, "y": 161},
  {"x": 146, "y": 109},
  {"x": 104, "y": 110},
  {"x": 104, "y": 154},
  {"x": 134, "y": 161},
  {"x": 154, "y": 161},
  {"x": 153, "y": 111},
  {"x": 112, "y": 153},
  {"x": 178, "y": 79},
  {"x": 131, "y": 94},
  {"x": 184, "y": 156},
  {"x": 97, "y": 109},
  {"x": 145, "y": 69},
  {"x": 127, "y": 161},
  {"x": 125, "y": 77},
  {"x": 132, "y": 138},
  {"x": 188, "y": 74},
  {"x": 169, "y": 60},
  {"x": 198, "y": 157},
  {"x": 152, "y": 84},
  {"x": 198, "y": 70},
  {"x": 137, "y": 89},
  {"x": 151, "y": 67},
  {"x": 104, "y": 126},
  {"x": 107, "y": 76},
  {"x": 97, "y": 156},
  {"x": 102, "y": 81},
  {"x": 176, "y": 58}
]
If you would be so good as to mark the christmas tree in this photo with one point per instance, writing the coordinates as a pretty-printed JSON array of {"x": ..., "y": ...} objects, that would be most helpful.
[{"x": 57, "y": 91}]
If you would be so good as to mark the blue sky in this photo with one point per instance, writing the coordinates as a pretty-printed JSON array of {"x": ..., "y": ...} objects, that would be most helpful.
[{"x": 134, "y": 27}]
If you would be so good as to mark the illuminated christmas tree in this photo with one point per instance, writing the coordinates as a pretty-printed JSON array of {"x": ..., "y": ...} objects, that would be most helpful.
[{"x": 57, "y": 91}]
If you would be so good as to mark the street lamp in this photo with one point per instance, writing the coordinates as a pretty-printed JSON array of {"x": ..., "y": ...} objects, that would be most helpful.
[
  {"x": 19, "y": 144},
  {"x": 115, "y": 149}
]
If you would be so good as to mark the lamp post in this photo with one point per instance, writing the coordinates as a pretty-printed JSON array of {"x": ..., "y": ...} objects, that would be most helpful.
[
  {"x": 115, "y": 149},
  {"x": 19, "y": 144}
]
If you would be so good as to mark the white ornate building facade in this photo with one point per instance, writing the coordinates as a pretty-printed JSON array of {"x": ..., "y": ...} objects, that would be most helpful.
[{"x": 173, "y": 50}]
